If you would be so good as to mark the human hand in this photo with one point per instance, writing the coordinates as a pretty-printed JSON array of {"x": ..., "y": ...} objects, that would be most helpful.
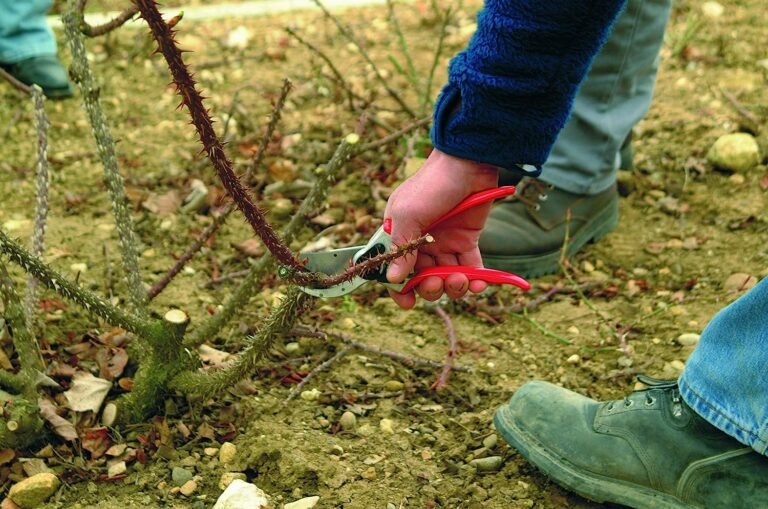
[{"x": 441, "y": 184}]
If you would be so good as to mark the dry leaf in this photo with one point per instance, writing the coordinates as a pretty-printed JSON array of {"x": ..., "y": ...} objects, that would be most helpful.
[
  {"x": 87, "y": 392},
  {"x": 112, "y": 362},
  {"x": 61, "y": 426},
  {"x": 214, "y": 357},
  {"x": 250, "y": 247},
  {"x": 163, "y": 204},
  {"x": 34, "y": 466},
  {"x": 96, "y": 441},
  {"x": 6, "y": 456},
  {"x": 5, "y": 362},
  {"x": 205, "y": 430}
]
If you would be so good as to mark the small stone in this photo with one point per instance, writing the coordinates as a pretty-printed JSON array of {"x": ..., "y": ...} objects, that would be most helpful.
[
  {"x": 7, "y": 503},
  {"x": 292, "y": 347},
  {"x": 490, "y": 441},
  {"x": 311, "y": 394},
  {"x": 587, "y": 267},
  {"x": 625, "y": 362},
  {"x": 656, "y": 341},
  {"x": 737, "y": 178},
  {"x": 242, "y": 495},
  {"x": 573, "y": 359},
  {"x": 228, "y": 477},
  {"x": 489, "y": 464},
  {"x": 387, "y": 426},
  {"x": 117, "y": 468},
  {"x": 189, "y": 488},
  {"x": 33, "y": 491},
  {"x": 109, "y": 414},
  {"x": 211, "y": 451},
  {"x": 736, "y": 152},
  {"x": 348, "y": 421},
  {"x": 678, "y": 365},
  {"x": 304, "y": 503},
  {"x": 366, "y": 430},
  {"x": 712, "y": 9},
  {"x": 227, "y": 452},
  {"x": 348, "y": 323},
  {"x": 79, "y": 267},
  {"x": 337, "y": 450},
  {"x": 393, "y": 386},
  {"x": 739, "y": 282},
  {"x": 369, "y": 474},
  {"x": 688, "y": 339},
  {"x": 180, "y": 476},
  {"x": 573, "y": 330}
]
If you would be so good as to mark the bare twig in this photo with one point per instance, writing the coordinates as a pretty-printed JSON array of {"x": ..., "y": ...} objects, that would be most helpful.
[
  {"x": 18, "y": 85},
  {"x": 117, "y": 22},
  {"x": 410, "y": 74},
  {"x": 427, "y": 99},
  {"x": 751, "y": 120},
  {"x": 359, "y": 345},
  {"x": 450, "y": 356},
  {"x": 396, "y": 135},
  {"x": 351, "y": 38},
  {"x": 41, "y": 208},
  {"x": 191, "y": 98},
  {"x": 312, "y": 374},
  {"x": 337, "y": 75}
]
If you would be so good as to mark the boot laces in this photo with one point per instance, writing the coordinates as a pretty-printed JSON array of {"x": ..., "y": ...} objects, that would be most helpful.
[{"x": 531, "y": 192}]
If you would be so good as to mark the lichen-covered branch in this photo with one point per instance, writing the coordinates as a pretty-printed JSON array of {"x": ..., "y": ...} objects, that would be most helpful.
[
  {"x": 41, "y": 207},
  {"x": 219, "y": 220},
  {"x": 191, "y": 98},
  {"x": 82, "y": 75},
  {"x": 379, "y": 76},
  {"x": 84, "y": 298},
  {"x": 280, "y": 322},
  {"x": 103, "y": 29},
  {"x": 23, "y": 341}
]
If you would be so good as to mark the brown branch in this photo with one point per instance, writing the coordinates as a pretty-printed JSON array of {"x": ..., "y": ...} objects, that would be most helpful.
[
  {"x": 395, "y": 135},
  {"x": 337, "y": 75},
  {"x": 445, "y": 374},
  {"x": 117, "y": 22},
  {"x": 206, "y": 234},
  {"x": 360, "y": 269},
  {"x": 191, "y": 98},
  {"x": 351, "y": 38},
  {"x": 400, "y": 357},
  {"x": 18, "y": 85},
  {"x": 312, "y": 374}
]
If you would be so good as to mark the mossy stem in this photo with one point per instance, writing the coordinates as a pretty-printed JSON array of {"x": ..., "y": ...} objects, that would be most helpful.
[
  {"x": 41, "y": 198},
  {"x": 82, "y": 75}
]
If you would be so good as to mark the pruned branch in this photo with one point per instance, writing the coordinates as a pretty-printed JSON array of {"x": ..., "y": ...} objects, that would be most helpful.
[
  {"x": 18, "y": 85},
  {"x": 103, "y": 29}
]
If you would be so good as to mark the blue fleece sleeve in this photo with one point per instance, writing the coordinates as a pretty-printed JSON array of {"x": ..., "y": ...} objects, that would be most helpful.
[{"x": 511, "y": 90}]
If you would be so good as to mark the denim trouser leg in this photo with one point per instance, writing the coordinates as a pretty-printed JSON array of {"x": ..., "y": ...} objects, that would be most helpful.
[
  {"x": 24, "y": 32},
  {"x": 614, "y": 97},
  {"x": 726, "y": 378}
]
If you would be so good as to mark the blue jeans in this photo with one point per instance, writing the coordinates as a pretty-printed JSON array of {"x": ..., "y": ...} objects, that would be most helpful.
[
  {"x": 24, "y": 32},
  {"x": 615, "y": 95},
  {"x": 726, "y": 378}
]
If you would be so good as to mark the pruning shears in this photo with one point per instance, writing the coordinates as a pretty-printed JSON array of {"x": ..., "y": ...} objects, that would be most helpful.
[{"x": 335, "y": 261}]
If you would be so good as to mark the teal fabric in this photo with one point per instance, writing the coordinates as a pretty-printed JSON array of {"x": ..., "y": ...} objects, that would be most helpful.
[
  {"x": 614, "y": 97},
  {"x": 24, "y": 32}
]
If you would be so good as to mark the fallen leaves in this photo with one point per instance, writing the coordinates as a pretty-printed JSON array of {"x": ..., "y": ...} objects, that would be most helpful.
[
  {"x": 87, "y": 392},
  {"x": 60, "y": 425}
]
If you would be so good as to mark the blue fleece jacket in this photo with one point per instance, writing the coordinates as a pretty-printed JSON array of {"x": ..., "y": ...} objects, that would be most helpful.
[{"x": 511, "y": 90}]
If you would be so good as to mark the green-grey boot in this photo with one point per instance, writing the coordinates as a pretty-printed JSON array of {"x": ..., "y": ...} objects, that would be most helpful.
[
  {"x": 649, "y": 450},
  {"x": 46, "y": 71},
  {"x": 525, "y": 234}
]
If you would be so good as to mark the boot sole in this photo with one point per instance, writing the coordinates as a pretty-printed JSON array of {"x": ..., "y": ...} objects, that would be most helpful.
[
  {"x": 591, "y": 486},
  {"x": 549, "y": 263}
]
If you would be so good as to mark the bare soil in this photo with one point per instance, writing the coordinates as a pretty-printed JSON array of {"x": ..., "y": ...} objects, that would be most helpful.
[{"x": 684, "y": 229}]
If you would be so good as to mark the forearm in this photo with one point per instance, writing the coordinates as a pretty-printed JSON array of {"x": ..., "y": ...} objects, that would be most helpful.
[{"x": 510, "y": 92}]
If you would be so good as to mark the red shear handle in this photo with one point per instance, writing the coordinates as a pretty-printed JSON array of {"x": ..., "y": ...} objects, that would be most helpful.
[
  {"x": 491, "y": 276},
  {"x": 472, "y": 201}
]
